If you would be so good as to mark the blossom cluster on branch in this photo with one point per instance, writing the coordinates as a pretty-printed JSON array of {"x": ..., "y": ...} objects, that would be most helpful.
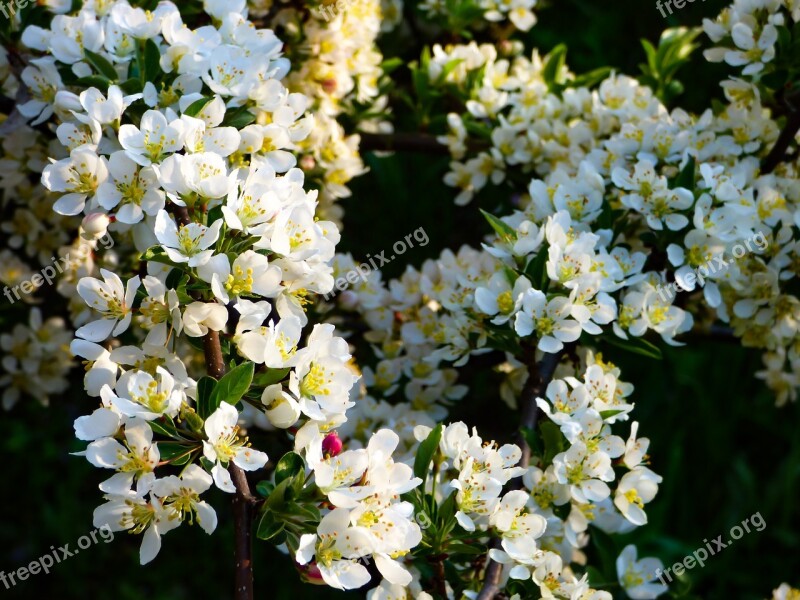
[{"x": 175, "y": 169}]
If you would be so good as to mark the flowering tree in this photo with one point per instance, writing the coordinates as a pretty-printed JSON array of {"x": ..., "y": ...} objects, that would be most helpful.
[{"x": 184, "y": 163}]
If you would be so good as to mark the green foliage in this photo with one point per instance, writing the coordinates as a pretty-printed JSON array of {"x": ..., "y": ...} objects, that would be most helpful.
[{"x": 674, "y": 50}]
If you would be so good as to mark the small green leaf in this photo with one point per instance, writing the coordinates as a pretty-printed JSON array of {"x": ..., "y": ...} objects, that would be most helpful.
[
  {"x": 205, "y": 389},
  {"x": 288, "y": 466},
  {"x": 152, "y": 61},
  {"x": 101, "y": 65},
  {"x": 553, "y": 441},
  {"x": 239, "y": 118},
  {"x": 233, "y": 385},
  {"x": 635, "y": 345},
  {"x": 269, "y": 526},
  {"x": 552, "y": 71},
  {"x": 391, "y": 64},
  {"x": 270, "y": 377},
  {"x": 264, "y": 488},
  {"x": 195, "y": 107},
  {"x": 503, "y": 229},
  {"x": 607, "y": 414},
  {"x": 686, "y": 178},
  {"x": 425, "y": 452}
]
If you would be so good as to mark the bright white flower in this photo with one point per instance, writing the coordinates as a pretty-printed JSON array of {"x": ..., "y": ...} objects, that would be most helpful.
[
  {"x": 251, "y": 274},
  {"x": 638, "y": 577},
  {"x": 549, "y": 320},
  {"x": 334, "y": 548},
  {"x": 113, "y": 301},
  {"x": 636, "y": 488},
  {"x": 188, "y": 243},
  {"x": 80, "y": 175},
  {"x": 153, "y": 140},
  {"x": 180, "y": 496},
  {"x": 132, "y": 190},
  {"x": 225, "y": 446}
]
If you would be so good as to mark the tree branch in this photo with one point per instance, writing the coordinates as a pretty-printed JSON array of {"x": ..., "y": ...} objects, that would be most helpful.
[
  {"x": 787, "y": 135},
  {"x": 539, "y": 377},
  {"x": 243, "y": 508},
  {"x": 244, "y": 501}
]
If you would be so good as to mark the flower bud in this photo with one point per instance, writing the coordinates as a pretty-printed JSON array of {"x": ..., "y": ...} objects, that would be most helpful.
[
  {"x": 282, "y": 410},
  {"x": 310, "y": 573},
  {"x": 307, "y": 163},
  {"x": 94, "y": 226},
  {"x": 332, "y": 445}
]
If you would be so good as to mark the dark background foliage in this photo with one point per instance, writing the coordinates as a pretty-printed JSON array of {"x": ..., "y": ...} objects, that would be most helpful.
[{"x": 724, "y": 450}]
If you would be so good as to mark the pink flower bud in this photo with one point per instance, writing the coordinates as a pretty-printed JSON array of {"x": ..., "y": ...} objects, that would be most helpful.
[
  {"x": 332, "y": 445},
  {"x": 307, "y": 163},
  {"x": 310, "y": 573}
]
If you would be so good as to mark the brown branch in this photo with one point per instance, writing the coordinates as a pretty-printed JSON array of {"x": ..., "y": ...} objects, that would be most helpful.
[
  {"x": 539, "y": 377},
  {"x": 787, "y": 135},
  {"x": 243, "y": 509},
  {"x": 243, "y": 501},
  {"x": 215, "y": 365}
]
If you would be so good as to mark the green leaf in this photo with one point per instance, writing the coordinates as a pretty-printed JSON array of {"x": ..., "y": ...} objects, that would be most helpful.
[
  {"x": 686, "y": 178},
  {"x": 591, "y": 78},
  {"x": 239, "y": 118},
  {"x": 195, "y": 107},
  {"x": 97, "y": 81},
  {"x": 462, "y": 548},
  {"x": 607, "y": 414},
  {"x": 152, "y": 61},
  {"x": 503, "y": 229},
  {"x": 552, "y": 71},
  {"x": 277, "y": 498},
  {"x": 177, "y": 453},
  {"x": 101, "y": 65},
  {"x": 269, "y": 526},
  {"x": 264, "y": 488},
  {"x": 205, "y": 389},
  {"x": 425, "y": 452},
  {"x": 270, "y": 377},
  {"x": 169, "y": 450},
  {"x": 166, "y": 427},
  {"x": 131, "y": 86},
  {"x": 448, "y": 68},
  {"x": 536, "y": 269},
  {"x": 553, "y": 441},
  {"x": 157, "y": 254},
  {"x": 233, "y": 385},
  {"x": 635, "y": 345},
  {"x": 288, "y": 466},
  {"x": 391, "y": 64}
]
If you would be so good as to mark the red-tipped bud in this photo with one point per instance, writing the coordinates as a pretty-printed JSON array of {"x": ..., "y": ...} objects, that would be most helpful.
[
  {"x": 310, "y": 573},
  {"x": 332, "y": 445}
]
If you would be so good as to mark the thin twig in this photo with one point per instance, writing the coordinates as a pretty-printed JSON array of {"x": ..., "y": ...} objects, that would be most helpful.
[{"x": 539, "y": 377}]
